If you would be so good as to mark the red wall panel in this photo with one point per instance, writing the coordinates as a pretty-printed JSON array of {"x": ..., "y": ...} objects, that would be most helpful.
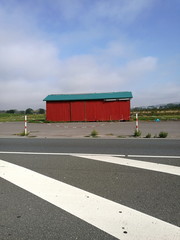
[
  {"x": 58, "y": 111},
  {"x": 125, "y": 110},
  {"x": 116, "y": 111},
  {"x": 77, "y": 111},
  {"x": 102, "y": 112},
  {"x": 93, "y": 111}
]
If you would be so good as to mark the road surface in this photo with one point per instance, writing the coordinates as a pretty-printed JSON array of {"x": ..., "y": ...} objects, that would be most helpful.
[{"x": 89, "y": 189}]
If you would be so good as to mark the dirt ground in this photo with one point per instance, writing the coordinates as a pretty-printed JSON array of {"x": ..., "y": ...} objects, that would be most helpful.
[{"x": 81, "y": 130}]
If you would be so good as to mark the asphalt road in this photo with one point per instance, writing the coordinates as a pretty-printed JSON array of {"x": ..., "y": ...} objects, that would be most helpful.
[
  {"x": 164, "y": 147},
  {"x": 26, "y": 216}
]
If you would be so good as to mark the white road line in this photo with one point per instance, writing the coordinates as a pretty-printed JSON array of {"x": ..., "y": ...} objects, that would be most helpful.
[
  {"x": 34, "y": 153},
  {"x": 115, "y": 155},
  {"x": 153, "y": 156},
  {"x": 115, "y": 219},
  {"x": 134, "y": 163},
  {"x": 44, "y": 153},
  {"x": 117, "y": 160}
]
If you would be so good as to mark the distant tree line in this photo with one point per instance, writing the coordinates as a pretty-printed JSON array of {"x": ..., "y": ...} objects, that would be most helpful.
[
  {"x": 169, "y": 106},
  {"x": 27, "y": 111}
]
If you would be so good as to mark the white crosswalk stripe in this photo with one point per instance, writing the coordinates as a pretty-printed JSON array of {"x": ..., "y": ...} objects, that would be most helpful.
[
  {"x": 134, "y": 163},
  {"x": 117, "y": 220}
]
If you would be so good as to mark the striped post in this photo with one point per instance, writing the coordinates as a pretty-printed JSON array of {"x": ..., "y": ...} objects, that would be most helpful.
[
  {"x": 25, "y": 126},
  {"x": 137, "y": 129}
]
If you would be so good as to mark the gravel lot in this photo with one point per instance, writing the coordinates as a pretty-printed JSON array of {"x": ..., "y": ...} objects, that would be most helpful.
[{"x": 80, "y": 129}]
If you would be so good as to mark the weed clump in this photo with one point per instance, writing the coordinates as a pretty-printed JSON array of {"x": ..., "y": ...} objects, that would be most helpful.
[
  {"x": 94, "y": 133},
  {"x": 137, "y": 133},
  {"x": 163, "y": 134},
  {"x": 148, "y": 135},
  {"x": 22, "y": 134}
]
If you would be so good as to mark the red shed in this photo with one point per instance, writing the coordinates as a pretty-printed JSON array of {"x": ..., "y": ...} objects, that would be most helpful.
[{"x": 88, "y": 107}]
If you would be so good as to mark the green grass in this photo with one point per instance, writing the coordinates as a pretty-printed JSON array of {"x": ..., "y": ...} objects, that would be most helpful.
[
  {"x": 16, "y": 117},
  {"x": 148, "y": 115},
  {"x": 153, "y": 118}
]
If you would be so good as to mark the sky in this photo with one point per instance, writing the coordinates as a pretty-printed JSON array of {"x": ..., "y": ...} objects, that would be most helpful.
[{"x": 82, "y": 46}]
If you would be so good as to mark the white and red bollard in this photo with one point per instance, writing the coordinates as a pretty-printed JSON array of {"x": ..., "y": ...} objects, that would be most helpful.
[
  {"x": 137, "y": 127},
  {"x": 25, "y": 126}
]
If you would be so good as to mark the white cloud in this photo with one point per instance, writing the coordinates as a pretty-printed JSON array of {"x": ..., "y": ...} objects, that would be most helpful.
[
  {"x": 31, "y": 64},
  {"x": 121, "y": 10},
  {"x": 31, "y": 68},
  {"x": 30, "y": 60},
  {"x": 157, "y": 94},
  {"x": 83, "y": 12},
  {"x": 22, "y": 94},
  {"x": 87, "y": 73},
  {"x": 115, "y": 49},
  {"x": 38, "y": 72},
  {"x": 138, "y": 67}
]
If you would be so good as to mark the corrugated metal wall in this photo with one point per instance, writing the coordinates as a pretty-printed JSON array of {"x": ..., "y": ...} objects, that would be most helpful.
[
  {"x": 77, "y": 111},
  {"x": 97, "y": 110}
]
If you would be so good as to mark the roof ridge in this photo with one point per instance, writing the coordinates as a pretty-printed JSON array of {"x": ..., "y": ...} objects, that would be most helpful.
[
  {"x": 88, "y": 96},
  {"x": 87, "y": 93}
]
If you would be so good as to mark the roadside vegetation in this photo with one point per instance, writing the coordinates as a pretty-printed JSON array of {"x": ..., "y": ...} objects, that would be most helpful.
[
  {"x": 22, "y": 134},
  {"x": 163, "y": 134},
  {"x": 153, "y": 113},
  {"x": 148, "y": 135},
  {"x": 94, "y": 133},
  {"x": 137, "y": 133},
  {"x": 17, "y": 116}
]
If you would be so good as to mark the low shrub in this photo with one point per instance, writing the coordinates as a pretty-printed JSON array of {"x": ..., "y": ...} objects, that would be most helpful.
[
  {"x": 148, "y": 135},
  {"x": 94, "y": 133},
  {"x": 163, "y": 134},
  {"x": 137, "y": 133}
]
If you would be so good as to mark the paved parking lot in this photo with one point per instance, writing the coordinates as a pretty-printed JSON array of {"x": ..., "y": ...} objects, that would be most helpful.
[{"x": 81, "y": 130}]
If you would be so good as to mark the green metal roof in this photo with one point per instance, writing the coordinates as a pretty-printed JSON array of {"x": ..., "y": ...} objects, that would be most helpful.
[{"x": 88, "y": 96}]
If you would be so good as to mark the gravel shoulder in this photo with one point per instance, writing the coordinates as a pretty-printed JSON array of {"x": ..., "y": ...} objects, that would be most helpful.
[{"x": 84, "y": 129}]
